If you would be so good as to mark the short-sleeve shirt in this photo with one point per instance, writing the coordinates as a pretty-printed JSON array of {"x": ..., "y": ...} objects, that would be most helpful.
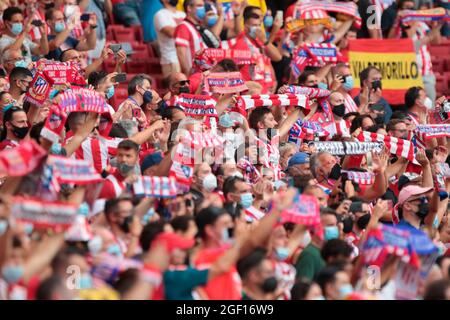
[
  {"x": 309, "y": 262},
  {"x": 166, "y": 18},
  {"x": 178, "y": 284},
  {"x": 27, "y": 46},
  {"x": 70, "y": 43},
  {"x": 186, "y": 35}
]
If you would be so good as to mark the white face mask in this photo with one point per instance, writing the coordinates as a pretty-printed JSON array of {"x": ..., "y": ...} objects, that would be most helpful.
[
  {"x": 306, "y": 239},
  {"x": 209, "y": 182},
  {"x": 428, "y": 103}
]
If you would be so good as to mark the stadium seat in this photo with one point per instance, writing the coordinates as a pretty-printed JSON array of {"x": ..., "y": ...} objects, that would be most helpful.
[
  {"x": 124, "y": 35},
  {"x": 109, "y": 65},
  {"x": 138, "y": 33},
  {"x": 438, "y": 64},
  {"x": 137, "y": 66},
  {"x": 440, "y": 51},
  {"x": 154, "y": 67},
  {"x": 157, "y": 80}
]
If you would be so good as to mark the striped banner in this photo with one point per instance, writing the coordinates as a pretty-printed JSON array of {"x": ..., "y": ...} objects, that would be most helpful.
[
  {"x": 22, "y": 160},
  {"x": 342, "y": 148},
  {"x": 363, "y": 178},
  {"x": 67, "y": 170},
  {"x": 435, "y": 14},
  {"x": 400, "y": 147},
  {"x": 225, "y": 83},
  {"x": 161, "y": 187},
  {"x": 82, "y": 100},
  {"x": 270, "y": 100},
  {"x": 314, "y": 54},
  {"x": 195, "y": 105},
  {"x": 54, "y": 124}
]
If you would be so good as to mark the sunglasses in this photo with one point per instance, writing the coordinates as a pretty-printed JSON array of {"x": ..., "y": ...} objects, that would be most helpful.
[{"x": 184, "y": 82}]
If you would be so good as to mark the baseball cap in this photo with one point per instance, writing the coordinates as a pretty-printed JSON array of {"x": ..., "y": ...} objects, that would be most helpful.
[
  {"x": 151, "y": 160},
  {"x": 411, "y": 191},
  {"x": 298, "y": 158},
  {"x": 406, "y": 178}
]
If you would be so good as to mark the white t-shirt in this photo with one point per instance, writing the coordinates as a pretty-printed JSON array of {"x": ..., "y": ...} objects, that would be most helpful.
[
  {"x": 166, "y": 18},
  {"x": 27, "y": 46}
]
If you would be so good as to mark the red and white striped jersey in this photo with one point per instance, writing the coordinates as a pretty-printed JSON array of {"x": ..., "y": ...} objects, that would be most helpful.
[
  {"x": 340, "y": 128},
  {"x": 113, "y": 186},
  {"x": 8, "y": 144},
  {"x": 186, "y": 35},
  {"x": 350, "y": 105},
  {"x": 423, "y": 56}
]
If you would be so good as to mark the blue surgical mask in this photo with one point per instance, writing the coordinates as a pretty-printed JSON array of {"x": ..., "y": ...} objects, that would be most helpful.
[
  {"x": 200, "y": 12},
  {"x": 109, "y": 92},
  {"x": 345, "y": 290},
  {"x": 56, "y": 148},
  {"x": 21, "y": 64},
  {"x": 268, "y": 21},
  {"x": 83, "y": 209},
  {"x": 322, "y": 85},
  {"x": 252, "y": 32},
  {"x": 436, "y": 222},
  {"x": 7, "y": 107},
  {"x": 3, "y": 227},
  {"x": 95, "y": 245},
  {"x": 17, "y": 28},
  {"x": 331, "y": 233},
  {"x": 225, "y": 120},
  {"x": 28, "y": 228},
  {"x": 12, "y": 273},
  {"x": 349, "y": 83},
  {"x": 59, "y": 27},
  {"x": 147, "y": 96},
  {"x": 53, "y": 94},
  {"x": 246, "y": 200},
  {"x": 114, "y": 249},
  {"x": 86, "y": 281},
  {"x": 212, "y": 20},
  {"x": 282, "y": 253}
]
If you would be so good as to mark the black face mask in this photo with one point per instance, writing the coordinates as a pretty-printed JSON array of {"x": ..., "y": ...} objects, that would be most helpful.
[
  {"x": 125, "y": 226},
  {"x": 363, "y": 221},
  {"x": 49, "y": 6},
  {"x": 184, "y": 89},
  {"x": 335, "y": 173},
  {"x": 20, "y": 133},
  {"x": 423, "y": 210},
  {"x": 173, "y": 3},
  {"x": 339, "y": 110},
  {"x": 348, "y": 224},
  {"x": 271, "y": 133},
  {"x": 162, "y": 105},
  {"x": 376, "y": 84},
  {"x": 315, "y": 86},
  {"x": 379, "y": 119},
  {"x": 269, "y": 285}
]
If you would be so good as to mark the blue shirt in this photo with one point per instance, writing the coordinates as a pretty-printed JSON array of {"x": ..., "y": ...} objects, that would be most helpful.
[{"x": 70, "y": 43}]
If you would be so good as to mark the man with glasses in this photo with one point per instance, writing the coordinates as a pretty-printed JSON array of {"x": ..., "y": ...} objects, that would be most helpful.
[
  {"x": 397, "y": 128},
  {"x": 13, "y": 58},
  {"x": 177, "y": 83},
  {"x": 19, "y": 81}
]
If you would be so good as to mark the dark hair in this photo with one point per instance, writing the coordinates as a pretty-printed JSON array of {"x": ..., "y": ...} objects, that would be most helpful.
[
  {"x": 150, "y": 232},
  {"x": 256, "y": 116},
  {"x": 392, "y": 123},
  {"x": 111, "y": 204},
  {"x": 19, "y": 73},
  {"x": 411, "y": 95},
  {"x": 117, "y": 131},
  {"x": 137, "y": 80},
  {"x": 437, "y": 290},
  {"x": 350, "y": 114},
  {"x": 181, "y": 223},
  {"x": 335, "y": 247},
  {"x": 375, "y": 128},
  {"x": 49, "y": 13},
  {"x": 7, "y": 117},
  {"x": 128, "y": 144},
  {"x": 9, "y": 12},
  {"x": 304, "y": 76},
  {"x": 251, "y": 261},
  {"x": 228, "y": 65},
  {"x": 229, "y": 185},
  {"x": 325, "y": 276},
  {"x": 401, "y": 2},
  {"x": 248, "y": 11},
  {"x": 357, "y": 122},
  {"x": 126, "y": 281},
  {"x": 364, "y": 75},
  {"x": 47, "y": 287},
  {"x": 186, "y": 4},
  {"x": 300, "y": 289},
  {"x": 167, "y": 113},
  {"x": 63, "y": 53},
  {"x": 60, "y": 261},
  {"x": 35, "y": 132},
  {"x": 400, "y": 115},
  {"x": 97, "y": 77},
  {"x": 208, "y": 216}
]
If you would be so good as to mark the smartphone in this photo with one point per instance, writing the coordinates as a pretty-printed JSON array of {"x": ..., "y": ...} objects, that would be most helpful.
[
  {"x": 126, "y": 224},
  {"x": 376, "y": 84},
  {"x": 136, "y": 113},
  {"x": 189, "y": 203},
  {"x": 120, "y": 77},
  {"x": 356, "y": 206},
  {"x": 37, "y": 23},
  {"x": 115, "y": 47},
  {"x": 85, "y": 17},
  {"x": 279, "y": 15},
  {"x": 343, "y": 78}
]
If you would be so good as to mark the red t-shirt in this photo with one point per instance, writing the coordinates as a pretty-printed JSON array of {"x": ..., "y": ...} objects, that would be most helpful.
[
  {"x": 186, "y": 35},
  {"x": 113, "y": 186},
  {"x": 224, "y": 287}
]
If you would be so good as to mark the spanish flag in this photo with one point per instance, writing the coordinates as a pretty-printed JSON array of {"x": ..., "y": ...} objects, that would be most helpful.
[{"x": 395, "y": 58}]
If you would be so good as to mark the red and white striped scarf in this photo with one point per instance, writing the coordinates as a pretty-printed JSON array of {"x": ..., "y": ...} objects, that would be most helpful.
[
  {"x": 57, "y": 216},
  {"x": 350, "y": 105},
  {"x": 364, "y": 178},
  {"x": 195, "y": 105},
  {"x": 251, "y": 174},
  {"x": 21, "y": 160},
  {"x": 269, "y": 100},
  {"x": 347, "y": 8},
  {"x": 207, "y": 58},
  {"x": 164, "y": 187},
  {"x": 225, "y": 83},
  {"x": 54, "y": 124},
  {"x": 252, "y": 214},
  {"x": 304, "y": 210},
  {"x": 314, "y": 54},
  {"x": 67, "y": 170},
  {"x": 400, "y": 147},
  {"x": 435, "y": 14},
  {"x": 307, "y": 91},
  {"x": 430, "y": 131},
  {"x": 82, "y": 100}
]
